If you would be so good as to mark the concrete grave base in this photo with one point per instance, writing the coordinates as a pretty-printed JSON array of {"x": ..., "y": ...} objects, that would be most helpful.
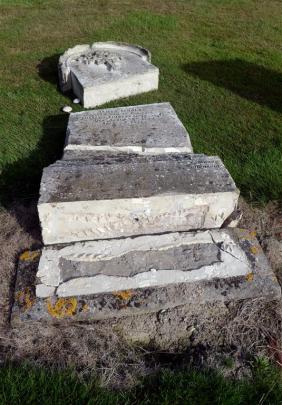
[{"x": 259, "y": 281}]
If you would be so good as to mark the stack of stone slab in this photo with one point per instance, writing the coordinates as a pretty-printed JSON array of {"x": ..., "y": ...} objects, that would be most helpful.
[
  {"x": 98, "y": 192},
  {"x": 133, "y": 221},
  {"x": 130, "y": 213}
]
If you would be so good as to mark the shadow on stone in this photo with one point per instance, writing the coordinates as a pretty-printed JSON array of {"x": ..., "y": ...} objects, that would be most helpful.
[{"x": 248, "y": 80}]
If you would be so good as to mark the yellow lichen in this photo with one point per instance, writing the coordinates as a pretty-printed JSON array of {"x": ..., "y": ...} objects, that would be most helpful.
[
  {"x": 250, "y": 276},
  {"x": 62, "y": 308},
  {"x": 25, "y": 298},
  {"x": 250, "y": 235},
  {"x": 124, "y": 295},
  {"x": 29, "y": 255},
  {"x": 254, "y": 250}
]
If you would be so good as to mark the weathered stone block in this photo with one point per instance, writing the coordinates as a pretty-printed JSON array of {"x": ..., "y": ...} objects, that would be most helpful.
[
  {"x": 107, "y": 197},
  {"x": 145, "y": 261},
  {"x": 216, "y": 266},
  {"x": 142, "y": 129},
  {"x": 106, "y": 71}
]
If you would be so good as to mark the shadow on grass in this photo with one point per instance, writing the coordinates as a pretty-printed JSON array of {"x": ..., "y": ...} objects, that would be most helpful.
[
  {"x": 19, "y": 191},
  {"x": 48, "y": 69},
  {"x": 20, "y": 181},
  {"x": 248, "y": 80}
]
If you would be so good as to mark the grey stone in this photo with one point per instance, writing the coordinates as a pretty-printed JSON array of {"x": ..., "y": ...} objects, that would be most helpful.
[
  {"x": 144, "y": 261},
  {"x": 106, "y": 71},
  {"x": 258, "y": 282},
  {"x": 150, "y": 128},
  {"x": 184, "y": 258},
  {"x": 88, "y": 197}
]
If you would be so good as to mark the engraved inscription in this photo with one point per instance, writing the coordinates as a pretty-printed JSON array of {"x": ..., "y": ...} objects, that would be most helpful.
[
  {"x": 108, "y": 225},
  {"x": 129, "y": 116},
  {"x": 107, "y": 59}
]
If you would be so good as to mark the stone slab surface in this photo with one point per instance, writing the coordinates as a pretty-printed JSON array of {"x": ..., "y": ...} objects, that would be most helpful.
[
  {"x": 106, "y": 71},
  {"x": 257, "y": 280},
  {"x": 144, "y": 261},
  {"x": 148, "y": 129},
  {"x": 107, "y": 197}
]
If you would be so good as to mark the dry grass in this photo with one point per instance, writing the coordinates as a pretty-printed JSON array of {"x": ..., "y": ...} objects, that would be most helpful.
[
  {"x": 267, "y": 222},
  {"x": 89, "y": 349},
  {"x": 255, "y": 327},
  {"x": 119, "y": 351},
  {"x": 114, "y": 351},
  {"x": 19, "y": 231}
]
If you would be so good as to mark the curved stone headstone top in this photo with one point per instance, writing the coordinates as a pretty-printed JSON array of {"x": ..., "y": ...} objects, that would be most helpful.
[{"x": 106, "y": 71}]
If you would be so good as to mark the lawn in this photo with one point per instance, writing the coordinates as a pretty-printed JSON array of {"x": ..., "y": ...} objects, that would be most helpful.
[
  {"x": 220, "y": 67},
  {"x": 26, "y": 385}
]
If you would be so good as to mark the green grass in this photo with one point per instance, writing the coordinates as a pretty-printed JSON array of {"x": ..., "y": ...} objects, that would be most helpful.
[
  {"x": 26, "y": 385},
  {"x": 220, "y": 67}
]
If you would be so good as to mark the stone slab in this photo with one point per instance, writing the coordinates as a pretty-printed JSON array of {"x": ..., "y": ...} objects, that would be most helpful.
[
  {"x": 142, "y": 129},
  {"x": 144, "y": 261},
  {"x": 255, "y": 280},
  {"x": 105, "y": 197},
  {"x": 106, "y": 71}
]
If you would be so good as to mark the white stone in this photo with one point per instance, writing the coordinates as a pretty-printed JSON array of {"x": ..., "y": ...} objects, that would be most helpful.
[
  {"x": 86, "y": 220},
  {"x": 67, "y": 109},
  {"x": 44, "y": 291},
  {"x": 76, "y": 101},
  {"x": 106, "y": 71},
  {"x": 103, "y": 250},
  {"x": 105, "y": 197},
  {"x": 126, "y": 264}
]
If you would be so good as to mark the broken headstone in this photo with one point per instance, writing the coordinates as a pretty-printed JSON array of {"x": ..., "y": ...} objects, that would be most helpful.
[{"x": 106, "y": 71}]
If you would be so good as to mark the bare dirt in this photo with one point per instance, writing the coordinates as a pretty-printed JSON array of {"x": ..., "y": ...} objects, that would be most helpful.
[{"x": 120, "y": 350}]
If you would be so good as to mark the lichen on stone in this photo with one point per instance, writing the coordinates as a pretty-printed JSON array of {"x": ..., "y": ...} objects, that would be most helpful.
[
  {"x": 124, "y": 295},
  {"x": 250, "y": 276},
  {"x": 25, "y": 298},
  {"x": 63, "y": 307},
  {"x": 254, "y": 250},
  {"x": 29, "y": 255}
]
